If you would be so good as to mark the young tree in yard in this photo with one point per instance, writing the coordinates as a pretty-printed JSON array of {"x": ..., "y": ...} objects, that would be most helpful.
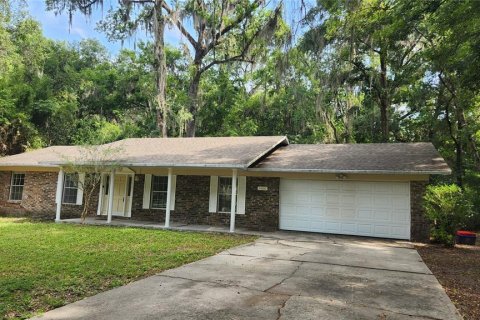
[{"x": 88, "y": 165}]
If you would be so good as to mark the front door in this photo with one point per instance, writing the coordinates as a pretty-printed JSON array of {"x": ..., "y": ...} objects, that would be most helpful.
[
  {"x": 122, "y": 196},
  {"x": 119, "y": 195}
]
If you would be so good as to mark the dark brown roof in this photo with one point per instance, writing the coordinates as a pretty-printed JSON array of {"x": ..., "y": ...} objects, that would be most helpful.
[{"x": 389, "y": 158}]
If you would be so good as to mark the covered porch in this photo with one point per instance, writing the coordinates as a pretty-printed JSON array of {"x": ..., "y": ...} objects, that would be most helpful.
[
  {"x": 123, "y": 190},
  {"x": 118, "y": 222}
]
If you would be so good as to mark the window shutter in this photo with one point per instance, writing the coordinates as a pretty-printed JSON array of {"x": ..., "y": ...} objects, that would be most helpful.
[
  {"x": 241, "y": 194},
  {"x": 146, "y": 191},
  {"x": 172, "y": 196},
  {"x": 212, "y": 206},
  {"x": 81, "y": 182}
]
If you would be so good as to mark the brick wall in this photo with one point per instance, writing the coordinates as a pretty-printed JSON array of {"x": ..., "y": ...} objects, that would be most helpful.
[
  {"x": 192, "y": 199},
  {"x": 38, "y": 199},
  {"x": 191, "y": 205},
  {"x": 420, "y": 227},
  {"x": 138, "y": 213}
]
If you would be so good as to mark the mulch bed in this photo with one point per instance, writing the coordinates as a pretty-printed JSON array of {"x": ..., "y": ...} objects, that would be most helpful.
[{"x": 458, "y": 271}]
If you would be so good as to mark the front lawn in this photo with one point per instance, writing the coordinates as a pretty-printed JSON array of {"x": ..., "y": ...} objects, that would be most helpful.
[
  {"x": 458, "y": 271},
  {"x": 46, "y": 265}
]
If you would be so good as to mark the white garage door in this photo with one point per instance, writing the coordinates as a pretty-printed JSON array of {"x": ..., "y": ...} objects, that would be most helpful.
[{"x": 375, "y": 209}]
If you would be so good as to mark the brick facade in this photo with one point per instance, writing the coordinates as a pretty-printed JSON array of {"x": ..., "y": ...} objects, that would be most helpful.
[
  {"x": 192, "y": 198},
  {"x": 38, "y": 200},
  {"x": 191, "y": 202},
  {"x": 420, "y": 227}
]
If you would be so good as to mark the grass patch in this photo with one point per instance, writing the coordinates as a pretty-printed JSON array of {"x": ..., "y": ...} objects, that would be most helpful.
[{"x": 47, "y": 265}]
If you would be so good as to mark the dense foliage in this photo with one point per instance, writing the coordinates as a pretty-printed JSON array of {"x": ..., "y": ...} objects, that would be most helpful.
[
  {"x": 359, "y": 71},
  {"x": 448, "y": 209}
]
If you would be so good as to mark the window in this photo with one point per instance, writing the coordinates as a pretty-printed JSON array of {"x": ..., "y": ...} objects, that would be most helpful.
[
  {"x": 129, "y": 186},
  {"x": 159, "y": 192},
  {"x": 107, "y": 184},
  {"x": 70, "y": 188},
  {"x": 225, "y": 194},
  {"x": 16, "y": 186}
]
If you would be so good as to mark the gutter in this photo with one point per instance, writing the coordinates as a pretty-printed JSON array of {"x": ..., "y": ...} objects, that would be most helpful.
[
  {"x": 143, "y": 164},
  {"x": 445, "y": 172}
]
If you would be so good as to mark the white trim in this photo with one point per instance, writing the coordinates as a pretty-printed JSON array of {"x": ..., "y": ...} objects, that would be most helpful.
[
  {"x": 212, "y": 203},
  {"x": 169, "y": 198},
  {"x": 59, "y": 194},
  {"x": 242, "y": 190},
  {"x": 110, "y": 196},
  {"x": 392, "y": 172},
  {"x": 100, "y": 194},
  {"x": 146, "y": 191},
  {"x": 12, "y": 185},
  {"x": 172, "y": 196},
  {"x": 233, "y": 205},
  {"x": 80, "y": 186}
]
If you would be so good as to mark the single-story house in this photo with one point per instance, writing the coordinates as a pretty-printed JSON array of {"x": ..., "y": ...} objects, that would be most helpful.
[{"x": 260, "y": 183}]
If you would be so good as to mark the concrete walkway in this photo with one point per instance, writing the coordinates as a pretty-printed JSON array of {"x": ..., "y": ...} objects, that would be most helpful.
[{"x": 285, "y": 276}]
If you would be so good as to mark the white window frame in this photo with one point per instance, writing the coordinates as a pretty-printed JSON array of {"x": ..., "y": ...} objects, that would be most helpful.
[
  {"x": 65, "y": 187},
  {"x": 152, "y": 191},
  {"x": 219, "y": 193},
  {"x": 16, "y": 185}
]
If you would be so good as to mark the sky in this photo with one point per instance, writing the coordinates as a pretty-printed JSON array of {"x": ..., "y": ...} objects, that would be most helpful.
[{"x": 57, "y": 26}]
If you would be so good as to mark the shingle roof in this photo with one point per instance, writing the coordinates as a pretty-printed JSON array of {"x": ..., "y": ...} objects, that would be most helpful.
[
  {"x": 221, "y": 152},
  {"x": 40, "y": 157},
  {"x": 391, "y": 158},
  {"x": 245, "y": 152}
]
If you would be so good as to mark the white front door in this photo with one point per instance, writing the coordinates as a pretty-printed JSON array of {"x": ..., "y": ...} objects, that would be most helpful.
[
  {"x": 375, "y": 209},
  {"x": 119, "y": 195},
  {"x": 122, "y": 195}
]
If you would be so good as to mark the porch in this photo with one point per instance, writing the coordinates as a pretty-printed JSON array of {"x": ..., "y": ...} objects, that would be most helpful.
[
  {"x": 117, "y": 222},
  {"x": 148, "y": 193}
]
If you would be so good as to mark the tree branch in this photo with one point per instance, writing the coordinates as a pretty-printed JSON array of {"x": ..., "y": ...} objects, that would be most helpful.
[
  {"x": 180, "y": 26},
  {"x": 218, "y": 36},
  {"x": 246, "y": 47}
]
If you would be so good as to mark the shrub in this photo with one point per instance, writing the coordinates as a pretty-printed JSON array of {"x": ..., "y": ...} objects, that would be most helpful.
[{"x": 448, "y": 209}]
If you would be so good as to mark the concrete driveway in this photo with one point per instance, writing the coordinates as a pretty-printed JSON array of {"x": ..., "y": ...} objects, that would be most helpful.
[{"x": 283, "y": 276}]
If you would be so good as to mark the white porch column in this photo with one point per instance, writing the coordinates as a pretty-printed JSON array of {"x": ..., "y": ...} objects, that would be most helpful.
[
  {"x": 234, "y": 201},
  {"x": 59, "y": 194},
  {"x": 169, "y": 196},
  {"x": 110, "y": 196}
]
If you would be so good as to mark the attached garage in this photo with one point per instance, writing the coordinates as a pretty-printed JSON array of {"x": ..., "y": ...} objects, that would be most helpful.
[
  {"x": 375, "y": 209},
  {"x": 373, "y": 190}
]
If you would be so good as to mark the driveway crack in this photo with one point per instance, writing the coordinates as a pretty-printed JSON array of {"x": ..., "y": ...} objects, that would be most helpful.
[
  {"x": 220, "y": 283},
  {"x": 279, "y": 311},
  {"x": 286, "y": 278}
]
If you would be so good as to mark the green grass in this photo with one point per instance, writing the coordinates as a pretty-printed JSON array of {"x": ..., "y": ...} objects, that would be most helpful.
[{"x": 47, "y": 265}]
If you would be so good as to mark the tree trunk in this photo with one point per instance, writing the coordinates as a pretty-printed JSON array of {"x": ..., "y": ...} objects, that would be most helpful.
[
  {"x": 384, "y": 100},
  {"x": 193, "y": 97},
  {"x": 459, "y": 163},
  {"x": 160, "y": 68}
]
